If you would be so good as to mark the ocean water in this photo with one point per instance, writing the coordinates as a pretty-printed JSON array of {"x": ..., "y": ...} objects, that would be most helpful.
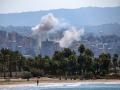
[{"x": 66, "y": 87}]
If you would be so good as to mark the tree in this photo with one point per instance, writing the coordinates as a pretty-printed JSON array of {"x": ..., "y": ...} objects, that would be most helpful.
[
  {"x": 96, "y": 66},
  {"x": 63, "y": 63},
  {"x": 104, "y": 63},
  {"x": 115, "y": 62},
  {"x": 89, "y": 53},
  {"x": 67, "y": 52},
  {"x": 4, "y": 53},
  {"x": 81, "y": 49},
  {"x": 88, "y": 57},
  {"x": 72, "y": 65},
  {"x": 1, "y": 64},
  {"x": 47, "y": 64}
]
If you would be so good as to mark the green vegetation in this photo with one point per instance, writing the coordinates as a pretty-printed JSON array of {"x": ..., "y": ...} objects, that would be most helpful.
[{"x": 63, "y": 64}]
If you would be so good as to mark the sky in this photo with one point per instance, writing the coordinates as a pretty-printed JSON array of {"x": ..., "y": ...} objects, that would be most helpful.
[{"x": 15, "y": 6}]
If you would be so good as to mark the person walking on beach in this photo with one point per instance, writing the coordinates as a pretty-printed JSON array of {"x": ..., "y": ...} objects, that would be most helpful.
[{"x": 37, "y": 82}]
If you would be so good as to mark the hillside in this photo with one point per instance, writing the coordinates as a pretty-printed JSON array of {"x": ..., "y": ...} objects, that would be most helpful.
[{"x": 77, "y": 17}]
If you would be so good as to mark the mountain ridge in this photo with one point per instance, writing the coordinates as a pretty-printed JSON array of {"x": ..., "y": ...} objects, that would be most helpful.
[{"x": 78, "y": 17}]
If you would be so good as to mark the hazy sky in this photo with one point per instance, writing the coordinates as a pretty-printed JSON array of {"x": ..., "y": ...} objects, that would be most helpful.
[{"x": 13, "y": 6}]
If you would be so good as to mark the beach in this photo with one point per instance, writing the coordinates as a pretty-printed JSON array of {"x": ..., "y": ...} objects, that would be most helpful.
[{"x": 54, "y": 82}]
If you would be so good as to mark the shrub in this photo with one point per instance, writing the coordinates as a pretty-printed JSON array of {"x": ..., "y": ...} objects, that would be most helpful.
[
  {"x": 36, "y": 72},
  {"x": 26, "y": 75}
]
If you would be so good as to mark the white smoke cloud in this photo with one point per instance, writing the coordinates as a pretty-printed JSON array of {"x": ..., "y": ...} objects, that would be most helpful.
[
  {"x": 48, "y": 23},
  {"x": 51, "y": 26},
  {"x": 71, "y": 35}
]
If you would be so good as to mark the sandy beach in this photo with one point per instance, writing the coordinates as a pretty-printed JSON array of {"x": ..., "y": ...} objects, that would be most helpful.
[{"x": 54, "y": 82}]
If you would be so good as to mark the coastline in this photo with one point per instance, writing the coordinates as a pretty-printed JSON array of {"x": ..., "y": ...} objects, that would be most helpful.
[{"x": 54, "y": 82}]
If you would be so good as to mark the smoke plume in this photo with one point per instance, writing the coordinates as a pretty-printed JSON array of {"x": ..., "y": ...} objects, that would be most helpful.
[
  {"x": 47, "y": 23},
  {"x": 71, "y": 35},
  {"x": 52, "y": 28}
]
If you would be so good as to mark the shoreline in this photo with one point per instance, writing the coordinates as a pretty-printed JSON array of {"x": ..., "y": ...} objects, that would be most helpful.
[
  {"x": 49, "y": 85},
  {"x": 54, "y": 82}
]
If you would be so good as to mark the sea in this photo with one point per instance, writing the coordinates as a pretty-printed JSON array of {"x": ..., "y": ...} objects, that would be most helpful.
[{"x": 63, "y": 87}]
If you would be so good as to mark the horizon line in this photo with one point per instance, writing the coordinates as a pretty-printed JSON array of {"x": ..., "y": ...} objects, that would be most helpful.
[{"x": 46, "y": 10}]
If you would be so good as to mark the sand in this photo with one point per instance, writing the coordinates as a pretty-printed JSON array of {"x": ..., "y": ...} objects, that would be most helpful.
[{"x": 54, "y": 82}]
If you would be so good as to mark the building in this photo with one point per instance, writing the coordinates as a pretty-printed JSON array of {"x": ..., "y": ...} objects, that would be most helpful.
[{"x": 49, "y": 47}]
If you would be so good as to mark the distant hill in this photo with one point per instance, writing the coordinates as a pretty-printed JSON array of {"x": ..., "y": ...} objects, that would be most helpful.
[
  {"x": 105, "y": 29},
  {"x": 77, "y": 17}
]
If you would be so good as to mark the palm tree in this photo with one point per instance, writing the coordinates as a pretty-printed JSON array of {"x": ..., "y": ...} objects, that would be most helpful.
[
  {"x": 89, "y": 53},
  {"x": 67, "y": 52},
  {"x": 104, "y": 63},
  {"x": 96, "y": 66},
  {"x": 9, "y": 65},
  {"x": 81, "y": 59},
  {"x": 47, "y": 64},
  {"x": 115, "y": 62},
  {"x": 81, "y": 49},
  {"x": 72, "y": 65},
  {"x": 4, "y": 52},
  {"x": 56, "y": 62},
  {"x": 64, "y": 66},
  {"x": 88, "y": 60},
  {"x": 1, "y": 63}
]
